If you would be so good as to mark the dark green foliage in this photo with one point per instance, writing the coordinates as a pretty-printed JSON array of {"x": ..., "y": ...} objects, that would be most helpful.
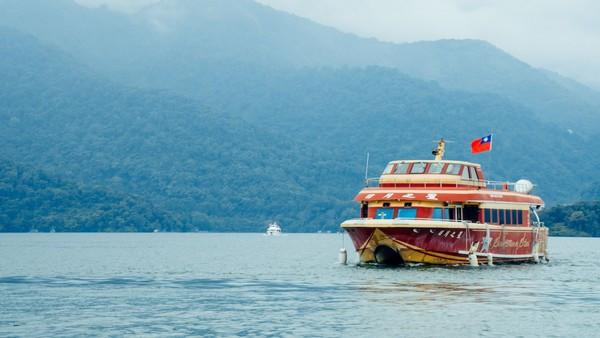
[
  {"x": 32, "y": 200},
  {"x": 580, "y": 219}
]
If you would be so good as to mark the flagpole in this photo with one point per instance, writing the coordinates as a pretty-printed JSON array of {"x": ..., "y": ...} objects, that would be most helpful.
[{"x": 491, "y": 149}]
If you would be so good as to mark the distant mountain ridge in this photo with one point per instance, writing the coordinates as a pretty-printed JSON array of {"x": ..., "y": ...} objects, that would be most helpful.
[{"x": 141, "y": 49}]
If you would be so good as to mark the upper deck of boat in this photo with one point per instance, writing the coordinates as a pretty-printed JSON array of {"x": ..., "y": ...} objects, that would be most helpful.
[
  {"x": 431, "y": 173},
  {"x": 447, "y": 180}
]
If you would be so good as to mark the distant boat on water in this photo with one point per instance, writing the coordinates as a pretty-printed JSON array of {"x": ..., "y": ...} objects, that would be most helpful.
[{"x": 273, "y": 229}]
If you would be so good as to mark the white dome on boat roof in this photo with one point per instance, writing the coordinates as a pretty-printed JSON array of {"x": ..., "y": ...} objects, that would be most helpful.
[{"x": 523, "y": 186}]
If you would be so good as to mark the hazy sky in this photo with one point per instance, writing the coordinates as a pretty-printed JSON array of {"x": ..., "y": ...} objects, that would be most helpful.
[{"x": 560, "y": 35}]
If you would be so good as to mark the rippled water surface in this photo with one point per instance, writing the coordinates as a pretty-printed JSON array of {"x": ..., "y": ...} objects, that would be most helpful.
[{"x": 253, "y": 285}]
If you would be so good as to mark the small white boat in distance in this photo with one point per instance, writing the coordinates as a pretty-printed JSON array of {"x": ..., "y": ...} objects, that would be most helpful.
[{"x": 274, "y": 229}]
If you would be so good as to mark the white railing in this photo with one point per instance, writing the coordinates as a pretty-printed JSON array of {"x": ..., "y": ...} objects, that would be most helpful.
[
  {"x": 491, "y": 185},
  {"x": 411, "y": 219},
  {"x": 499, "y": 185}
]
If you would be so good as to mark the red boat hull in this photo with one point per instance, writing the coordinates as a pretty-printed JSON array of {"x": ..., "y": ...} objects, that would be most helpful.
[{"x": 446, "y": 243}]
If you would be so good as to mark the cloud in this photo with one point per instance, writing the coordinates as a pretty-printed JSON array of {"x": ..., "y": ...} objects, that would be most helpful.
[{"x": 559, "y": 35}]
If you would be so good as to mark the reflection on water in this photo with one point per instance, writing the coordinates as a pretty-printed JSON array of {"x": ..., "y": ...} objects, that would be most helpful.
[
  {"x": 244, "y": 284},
  {"x": 439, "y": 289}
]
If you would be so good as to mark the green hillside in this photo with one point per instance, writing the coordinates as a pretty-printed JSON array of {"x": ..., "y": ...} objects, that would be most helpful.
[
  {"x": 579, "y": 219},
  {"x": 32, "y": 200},
  {"x": 215, "y": 171},
  {"x": 351, "y": 111}
]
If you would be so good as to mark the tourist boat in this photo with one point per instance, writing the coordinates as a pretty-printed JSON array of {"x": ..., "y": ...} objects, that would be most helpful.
[
  {"x": 445, "y": 212},
  {"x": 273, "y": 229}
]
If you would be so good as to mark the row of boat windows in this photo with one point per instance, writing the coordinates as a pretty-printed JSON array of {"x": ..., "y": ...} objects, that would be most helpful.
[
  {"x": 411, "y": 213},
  {"x": 466, "y": 172},
  {"x": 502, "y": 216},
  {"x": 490, "y": 216}
]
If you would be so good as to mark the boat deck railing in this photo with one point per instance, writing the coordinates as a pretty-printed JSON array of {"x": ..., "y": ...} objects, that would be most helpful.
[
  {"x": 467, "y": 222},
  {"x": 489, "y": 185},
  {"x": 412, "y": 219}
]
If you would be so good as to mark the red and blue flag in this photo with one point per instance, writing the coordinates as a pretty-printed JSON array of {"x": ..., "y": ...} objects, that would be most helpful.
[{"x": 481, "y": 145}]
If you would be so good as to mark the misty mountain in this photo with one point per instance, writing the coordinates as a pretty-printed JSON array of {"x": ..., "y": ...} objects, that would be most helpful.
[
  {"x": 213, "y": 171},
  {"x": 169, "y": 43},
  {"x": 217, "y": 171}
]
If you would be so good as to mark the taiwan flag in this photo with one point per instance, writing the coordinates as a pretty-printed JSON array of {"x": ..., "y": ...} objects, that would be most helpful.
[{"x": 481, "y": 145}]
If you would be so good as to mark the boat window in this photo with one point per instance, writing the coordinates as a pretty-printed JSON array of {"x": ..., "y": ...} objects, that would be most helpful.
[
  {"x": 455, "y": 213},
  {"x": 452, "y": 169},
  {"x": 471, "y": 213},
  {"x": 418, "y": 168},
  {"x": 435, "y": 168},
  {"x": 495, "y": 216},
  {"x": 473, "y": 173},
  {"x": 465, "y": 173},
  {"x": 437, "y": 213},
  {"x": 487, "y": 215},
  {"x": 407, "y": 213},
  {"x": 364, "y": 210},
  {"x": 501, "y": 216},
  {"x": 441, "y": 213},
  {"x": 388, "y": 169},
  {"x": 384, "y": 213},
  {"x": 519, "y": 216},
  {"x": 514, "y": 217},
  {"x": 401, "y": 168}
]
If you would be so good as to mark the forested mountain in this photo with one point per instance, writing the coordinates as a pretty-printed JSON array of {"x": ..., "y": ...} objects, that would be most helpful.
[
  {"x": 32, "y": 200},
  {"x": 214, "y": 171},
  {"x": 579, "y": 219},
  {"x": 169, "y": 43},
  {"x": 227, "y": 114}
]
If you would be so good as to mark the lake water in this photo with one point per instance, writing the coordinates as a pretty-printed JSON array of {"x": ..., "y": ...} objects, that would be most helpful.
[{"x": 252, "y": 285}]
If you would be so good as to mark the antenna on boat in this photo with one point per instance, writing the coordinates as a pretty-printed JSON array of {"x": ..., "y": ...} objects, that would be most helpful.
[
  {"x": 367, "y": 170},
  {"x": 439, "y": 151}
]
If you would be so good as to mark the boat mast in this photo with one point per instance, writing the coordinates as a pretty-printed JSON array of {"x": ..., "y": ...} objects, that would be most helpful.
[
  {"x": 439, "y": 151},
  {"x": 367, "y": 171}
]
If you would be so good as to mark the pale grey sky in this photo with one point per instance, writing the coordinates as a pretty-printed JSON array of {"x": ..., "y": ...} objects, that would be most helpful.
[{"x": 559, "y": 35}]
